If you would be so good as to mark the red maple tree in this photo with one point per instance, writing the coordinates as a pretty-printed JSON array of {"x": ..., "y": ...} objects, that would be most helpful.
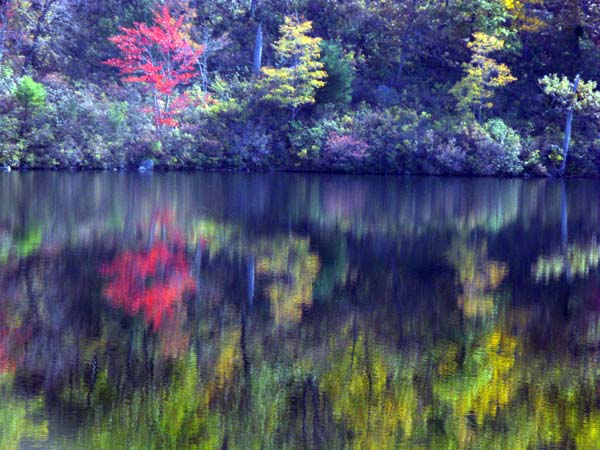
[{"x": 161, "y": 56}]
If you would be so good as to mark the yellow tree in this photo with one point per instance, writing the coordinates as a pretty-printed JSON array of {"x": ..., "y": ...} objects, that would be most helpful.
[
  {"x": 300, "y": 72},
  {"x": 482, "y": 75},
  {"x": 523, "y": 13}
]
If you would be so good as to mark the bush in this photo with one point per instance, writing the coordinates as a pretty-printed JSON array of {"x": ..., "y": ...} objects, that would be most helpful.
[
  {"x": 307, "y": 142},
  {"x": 492, "y": 149},
  {"x": 82, "y": 128},
  {"x": 444, "y": 157},
  {"x": 394, "y": 136},
  {"x": 344, "y": 152},
  {"x": 30, "y": 94}
]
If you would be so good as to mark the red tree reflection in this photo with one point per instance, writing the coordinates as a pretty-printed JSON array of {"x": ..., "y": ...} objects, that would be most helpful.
[
  {"x": 7, "y": 362},
  {"x": 151, "y": 281},
  {"x": 12, "y": 341}
]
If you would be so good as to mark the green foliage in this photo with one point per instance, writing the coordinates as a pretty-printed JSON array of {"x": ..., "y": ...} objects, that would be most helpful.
[
  {"x": 11, "y": 148},
  {"x": 394, "y": 136},
  {"x": 493, "y": 149},
  {"x": 30, "y": 94},
  {"x": 586, "y": 100},
  {"x": 307, "y": 142},
  {"x": 340, "y": 74}
]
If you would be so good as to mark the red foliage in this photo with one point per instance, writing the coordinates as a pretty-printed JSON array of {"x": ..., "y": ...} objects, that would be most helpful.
[
  {"x": 154, "y": 281},
  {"x": 161, "y": 56}
]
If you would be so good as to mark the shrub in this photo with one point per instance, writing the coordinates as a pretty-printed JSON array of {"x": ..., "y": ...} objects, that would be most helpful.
[
  {"x": 493, "y": 149},
  {"x": 307, "y": 141},
  {"x": 444, "y": 156},
  {"x": 394, "y": 136},
  {"x": 30, "y": 94},
  {"x": 344, "y": 152}
]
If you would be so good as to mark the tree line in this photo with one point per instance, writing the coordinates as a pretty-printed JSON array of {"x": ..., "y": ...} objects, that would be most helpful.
[{"x": 481, "y": 87}]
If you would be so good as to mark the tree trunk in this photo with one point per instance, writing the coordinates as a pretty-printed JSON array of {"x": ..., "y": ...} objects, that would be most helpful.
[
  {"x": 253, "y": 7},
  {"x": 258, "y": 49},
  {"x": 568, "y": 127}
]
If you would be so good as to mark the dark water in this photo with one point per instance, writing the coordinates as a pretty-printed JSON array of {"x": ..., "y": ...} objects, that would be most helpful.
[{"x": 211, "y": 311}]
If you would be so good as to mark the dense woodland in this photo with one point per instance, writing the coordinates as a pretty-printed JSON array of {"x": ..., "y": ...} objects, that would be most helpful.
[{"x": 481, "y": 87}]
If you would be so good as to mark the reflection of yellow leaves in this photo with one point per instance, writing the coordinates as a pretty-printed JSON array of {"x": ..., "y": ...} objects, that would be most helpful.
[
  {"x": 229, "y": 358},
  {"x": 294, "y": 269},
  {"x": 497, "y": 273},
  {"x": 476, "y": 306},
  {"x": 588, "y": 437},
  {"x": 477, "y": 276},
  {"x": 374, "y": 398},
  {"x": 448, "y": 364},
  {"x": 500, "y": 356},
  {"x": 487, "y": 383}
]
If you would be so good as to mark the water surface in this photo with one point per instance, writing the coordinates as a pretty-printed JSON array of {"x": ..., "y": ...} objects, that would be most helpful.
[{"x": 217, "y": 311}]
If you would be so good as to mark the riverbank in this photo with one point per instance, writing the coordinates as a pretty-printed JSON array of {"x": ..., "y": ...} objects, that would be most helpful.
[{"x": 86, "y": 129}]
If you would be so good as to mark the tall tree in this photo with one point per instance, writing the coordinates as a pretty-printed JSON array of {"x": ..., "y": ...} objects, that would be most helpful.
[
  {"x": 482, "y": 75},
  {"x": 300, "y": 72}
]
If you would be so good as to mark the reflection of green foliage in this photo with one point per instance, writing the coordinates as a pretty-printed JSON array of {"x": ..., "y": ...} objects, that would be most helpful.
[
  {"x": 478, "y": 277},
  {"x": 372, "y": 394},
  {"x": 4, "y": 248},
  {"x": 23, "y": 247},
  {"x": 334, "y": 256},
  {"x": 16, "y": 418},
  {"x": 218, "y": 235},
  {"x": 579, "y": 261},
  {"x": 30, "y": 243},
  {"x": 174, "y": 416},
  {"x": 270, "y": 392}
]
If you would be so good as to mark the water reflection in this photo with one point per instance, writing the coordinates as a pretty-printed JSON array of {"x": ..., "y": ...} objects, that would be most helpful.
[{"x": 214, "y": 311}]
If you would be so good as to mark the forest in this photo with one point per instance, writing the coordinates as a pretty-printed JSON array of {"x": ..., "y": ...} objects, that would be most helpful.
[{"x": 439, "y": 87}]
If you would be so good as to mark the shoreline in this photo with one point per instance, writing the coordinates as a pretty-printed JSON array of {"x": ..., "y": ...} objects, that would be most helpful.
[{"x": 307, "y": 171}]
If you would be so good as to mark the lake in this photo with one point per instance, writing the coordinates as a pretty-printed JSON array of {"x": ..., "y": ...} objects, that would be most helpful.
[{"x": 291, "y": 311}]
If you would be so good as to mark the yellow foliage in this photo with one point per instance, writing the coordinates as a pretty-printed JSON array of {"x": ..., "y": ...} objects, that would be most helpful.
[
  {"x": 301, "y": 73},
  {"x": 482, "y": 74},
  {"x": 377, "y": 402},
  {"x": 521, "y": 11}
]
